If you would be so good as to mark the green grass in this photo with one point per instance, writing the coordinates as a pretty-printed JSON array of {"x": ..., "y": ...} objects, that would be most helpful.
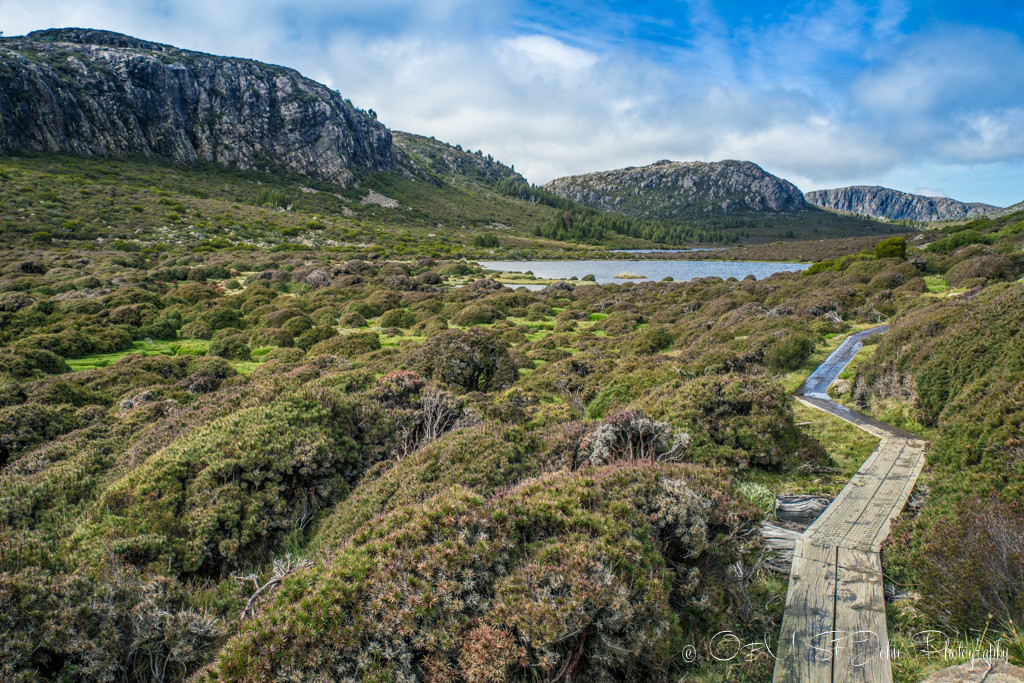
[
  {"x": 936, "y": 284},
  {"x": 179, "y": 347}
]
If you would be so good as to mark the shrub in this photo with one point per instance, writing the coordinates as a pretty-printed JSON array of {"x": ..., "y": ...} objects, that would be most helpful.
[
  {"x": 600, "y": 593},
  {"x": 980, "y": 552},
  {"x": 474, "y": 360},
  {"x": 959, "y": 239},
  {"x": 11, "y": 302},
  {"x": 429, "y": 278},
  {"x": 71, "y": 344},
  {"x": 788, "y": 351},
  {"x": 27, "y": 424},
  {"x": 314, "y": 336},
  {"x": 650, "y": 341},
  {"x": 114, "y": 624},
  {"x": 363, "y": 309},
  {"x": 347, "y": 345},
  {"x": 894, "y": 247},
  {"x": 397, "y": 317},
  {"x": 987, "y": 267},
  {"x": 110, "y": 340},
  {"x": 286, "y": 354},
  {"x": 272, "y": 336},
  {"x": 233, "y": 347},
  {"x": 352, "y": 319},
  {"x": 23, "y": 363},
  {"x": 476, "y": 314},
  {"x": 196, "y": 330},
  {"x": 222, "y": 495},
  {"x": 487, "y": 240},
  {"x": 220, "y": 317},
  {"x": 733, "y": 418},
  {"x": 455, "y": 269}
]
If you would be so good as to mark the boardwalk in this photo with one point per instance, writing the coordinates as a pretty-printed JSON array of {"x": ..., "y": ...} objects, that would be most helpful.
[{"x": 833, "y": 627}]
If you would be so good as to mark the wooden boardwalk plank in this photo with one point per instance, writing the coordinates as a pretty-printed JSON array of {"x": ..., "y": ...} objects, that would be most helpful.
[
  {"x": 861, "y": 636},
  {"x": 804, "y": 654}
]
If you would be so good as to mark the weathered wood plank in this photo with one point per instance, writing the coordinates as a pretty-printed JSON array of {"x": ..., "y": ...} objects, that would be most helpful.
[
  {"x": 861, "y": 636},
  {"x": 804, "y": 654},
  {"x": 800, "y": 509}
]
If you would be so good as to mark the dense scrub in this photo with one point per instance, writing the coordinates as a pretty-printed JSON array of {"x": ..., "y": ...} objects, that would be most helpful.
[
  {"x": 955, "y": 366},
  {"x": 353, "y": 468}
]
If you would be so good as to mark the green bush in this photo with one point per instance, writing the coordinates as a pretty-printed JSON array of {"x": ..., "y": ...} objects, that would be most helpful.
[
  {"x": 959, "y": 239},
  {"x": 474, "y": 360},
  {"x": 650, "y": 340},
  {"x": 233, "y": 347},
  {"x": 363, "y": 309},
  {"x": 894, "y": 247},
  {"x": 397, "y": 317},
  {"x": 223, "y": 495},
  {"x": 476, "y": 314},
  {"x": 604, "y": 581},
  {"x": 347, "y": 345},
  {"x": 314, "y": 336},
  {"x": 25, "y": 362},
  {"x": 196, "y": 330},
  {"x": 788, "y": 351},
  {"x": 487, "y": 240}
]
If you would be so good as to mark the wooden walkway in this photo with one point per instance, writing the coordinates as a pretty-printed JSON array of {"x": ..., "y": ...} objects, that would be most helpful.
[{"x": 833, "y": 626}]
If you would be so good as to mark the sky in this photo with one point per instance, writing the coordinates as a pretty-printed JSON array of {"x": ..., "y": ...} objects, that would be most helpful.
[{"x": 924, "y": 97}]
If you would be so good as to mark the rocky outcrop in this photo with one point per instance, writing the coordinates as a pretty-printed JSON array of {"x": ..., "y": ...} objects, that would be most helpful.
[
  {"x": 881, "y": 202},
  {"x": 104, "y": 94},
  {"x": 447, "y": 161},
  {"x": 673, "y": 190}
]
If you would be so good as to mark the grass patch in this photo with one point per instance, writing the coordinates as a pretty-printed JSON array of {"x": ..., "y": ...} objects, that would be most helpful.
[
  {"x": 177, "y": 347},
  {"x": 936, "y": 284}
]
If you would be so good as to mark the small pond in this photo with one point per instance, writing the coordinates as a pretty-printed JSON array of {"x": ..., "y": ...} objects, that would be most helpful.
[{"x": 653, "y": 270}]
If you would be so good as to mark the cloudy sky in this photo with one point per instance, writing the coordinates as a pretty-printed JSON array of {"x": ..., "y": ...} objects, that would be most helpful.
[{"x": 924, "y": 97}]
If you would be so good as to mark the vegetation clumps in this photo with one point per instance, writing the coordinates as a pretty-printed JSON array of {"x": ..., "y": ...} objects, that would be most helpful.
[{"x": 471, "y": 360}]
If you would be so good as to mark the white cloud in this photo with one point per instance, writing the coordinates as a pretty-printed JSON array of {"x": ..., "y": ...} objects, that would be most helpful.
[
  {"x": 547, "y": 53},
  {"x": 829, "y": 95}
]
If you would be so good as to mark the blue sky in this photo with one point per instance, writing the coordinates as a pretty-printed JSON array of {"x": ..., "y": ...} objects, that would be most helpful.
[{"x": 924, "y": 97}]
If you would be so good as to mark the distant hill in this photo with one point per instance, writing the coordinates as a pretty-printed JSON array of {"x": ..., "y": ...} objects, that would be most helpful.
[
  {"x": 449, "y": 162},
  {"x": 97, "y": 93},
  {"x": 881, "y": 202},
  {"x": 1019, "y": 206},
  {"x": 672, "y": 190}
]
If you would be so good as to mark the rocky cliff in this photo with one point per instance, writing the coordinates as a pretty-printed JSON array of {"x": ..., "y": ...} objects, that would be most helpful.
[
  {"x": 98, "y": 93},
  {"x": 671, "y": 190},
  {"x": 881, "y": 202}
]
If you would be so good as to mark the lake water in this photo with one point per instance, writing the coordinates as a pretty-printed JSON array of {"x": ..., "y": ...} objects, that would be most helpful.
[
  {"x": 655, "y": 270},
  {"x": 662, "y": 251}
]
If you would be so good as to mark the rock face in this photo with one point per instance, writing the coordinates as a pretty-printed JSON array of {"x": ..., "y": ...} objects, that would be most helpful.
[
  {"x": 881, "y": 202},
  {"x": 98, "y": 93},
  {"x": 673, "y": 190}
]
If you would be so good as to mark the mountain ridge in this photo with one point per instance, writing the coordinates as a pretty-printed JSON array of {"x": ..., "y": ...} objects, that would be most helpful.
[
  {"x": 105, "y": 94},
  {"x": 885, "y": 203},
  {"x": 674, "y": 190}
]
